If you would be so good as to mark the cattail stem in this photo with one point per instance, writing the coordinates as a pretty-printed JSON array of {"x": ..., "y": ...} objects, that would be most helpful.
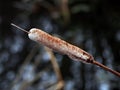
[
  {"x": 106, "y": 68},
  {"x": 19, "y": 28}
]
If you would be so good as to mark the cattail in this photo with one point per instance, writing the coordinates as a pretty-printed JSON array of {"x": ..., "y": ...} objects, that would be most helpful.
[
  {"x": 63, "y": 47},
  {"x": 59, "y": 45}
]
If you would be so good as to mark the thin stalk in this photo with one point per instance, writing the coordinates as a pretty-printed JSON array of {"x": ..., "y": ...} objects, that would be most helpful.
[
  {"x": 106, "y": 68},
  {"x": 19, "y": 28}
]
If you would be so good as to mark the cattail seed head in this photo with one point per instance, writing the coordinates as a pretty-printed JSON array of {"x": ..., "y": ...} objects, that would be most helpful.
[{"x": 59, "y": 45}]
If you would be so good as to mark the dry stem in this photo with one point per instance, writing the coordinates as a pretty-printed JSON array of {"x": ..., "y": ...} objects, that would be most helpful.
[
  {"x": 106, "y": 68},
  {"x": 56, "y": 68}
]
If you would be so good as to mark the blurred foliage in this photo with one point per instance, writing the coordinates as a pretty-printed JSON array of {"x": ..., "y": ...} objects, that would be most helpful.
[{"x": 93, "y": 25}]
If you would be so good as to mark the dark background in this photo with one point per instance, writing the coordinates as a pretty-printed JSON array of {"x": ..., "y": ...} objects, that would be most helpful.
[{"x": 93, "y": 25}]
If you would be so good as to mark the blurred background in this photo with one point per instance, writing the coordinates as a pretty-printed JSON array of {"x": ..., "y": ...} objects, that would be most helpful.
[{"x": 93, "y": 25}]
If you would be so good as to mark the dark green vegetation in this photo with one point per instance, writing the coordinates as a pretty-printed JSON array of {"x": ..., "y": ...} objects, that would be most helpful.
[{"x": 93, "y": 25}]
